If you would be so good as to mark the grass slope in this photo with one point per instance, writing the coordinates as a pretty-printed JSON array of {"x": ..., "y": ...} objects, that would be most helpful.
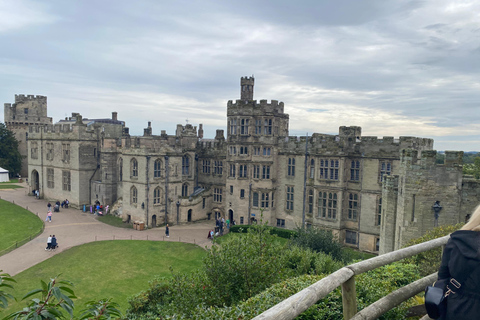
[
  {"x": 17, "y": 224},
  {"x": 109, "y": 269}
]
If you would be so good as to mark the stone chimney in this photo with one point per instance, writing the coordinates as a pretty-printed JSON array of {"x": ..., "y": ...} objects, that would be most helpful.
[{"x": 114, "y": 115}]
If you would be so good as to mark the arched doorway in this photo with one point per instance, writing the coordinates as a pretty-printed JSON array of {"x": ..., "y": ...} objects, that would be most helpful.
[
  {"x": 35, "y": 180},
  {"x": 189, "y": 218},
  {"x": 154, "y": 221},
  {"x": 230, "y": 215}
]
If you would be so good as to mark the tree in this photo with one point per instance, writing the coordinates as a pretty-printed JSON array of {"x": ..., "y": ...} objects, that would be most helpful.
[
  {"x": 473, "y": 168},
  {"x": 10, "y": 157},
  {"x": 4, "y": 283}
]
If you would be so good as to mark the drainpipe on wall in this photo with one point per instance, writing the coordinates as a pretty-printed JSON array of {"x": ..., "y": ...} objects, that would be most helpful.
[
  {"x": 167, "y": 171},
  {"x": 249, "y": 202},
  {"x": 305, "y": 182},
  {"x": 148, "y": 189}
]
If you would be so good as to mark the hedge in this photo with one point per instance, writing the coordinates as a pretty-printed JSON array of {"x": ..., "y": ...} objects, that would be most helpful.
[{"x": 282, "y": 233}]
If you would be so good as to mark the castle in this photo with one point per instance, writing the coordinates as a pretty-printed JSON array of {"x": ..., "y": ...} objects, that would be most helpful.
[{"x": 375, "y": 194}]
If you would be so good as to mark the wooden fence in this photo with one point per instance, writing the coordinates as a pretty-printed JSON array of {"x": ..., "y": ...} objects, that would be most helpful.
[{"x": 293, "y": 306}]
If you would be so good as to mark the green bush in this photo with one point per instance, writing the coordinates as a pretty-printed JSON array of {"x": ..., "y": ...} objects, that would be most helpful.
[
  {"x": 282, "y": 233},
  {"x": 319, "y": 240},
  {"x": 428, "y": 262}
]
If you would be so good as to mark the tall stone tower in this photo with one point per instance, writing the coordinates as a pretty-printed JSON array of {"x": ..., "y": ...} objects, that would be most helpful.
[
  {"x": 246, "y": 87},
  {"x": 27, "y": 110}
]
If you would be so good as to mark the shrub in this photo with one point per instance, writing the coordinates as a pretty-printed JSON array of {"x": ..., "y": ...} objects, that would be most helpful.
[
  {"x": 319, "y": 240},
  {"x": 429, "y": 261},
  {"x": 282, "y": 233}
]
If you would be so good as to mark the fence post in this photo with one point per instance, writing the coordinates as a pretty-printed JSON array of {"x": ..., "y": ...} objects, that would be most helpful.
[
  {"x": 147, "y": 237},
  {"x": 130, "y": 237},
  {"x": 349, "y": 298},
  {"x": 95, "y": 238},
  {"x": 113, "y": 237}
]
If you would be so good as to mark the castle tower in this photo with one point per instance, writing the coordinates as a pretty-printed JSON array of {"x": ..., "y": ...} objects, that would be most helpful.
[
  {"x": 27, "y": 110},
  {"x": 246, "y": 88}
]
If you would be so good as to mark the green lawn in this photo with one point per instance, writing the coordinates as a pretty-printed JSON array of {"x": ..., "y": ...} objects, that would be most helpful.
[
  {"x": 6, "y": 185},
  {"x": 114, "y": 221},
  {"x": 110, "y": 269},
  {"x": 18, "y": 225}
]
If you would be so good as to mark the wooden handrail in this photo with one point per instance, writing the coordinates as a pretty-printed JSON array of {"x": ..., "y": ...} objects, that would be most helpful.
[{"x": 293, "y": 306}]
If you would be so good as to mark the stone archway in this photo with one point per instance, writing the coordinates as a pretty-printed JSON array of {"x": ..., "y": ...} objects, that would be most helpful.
[
  {"x": 154, "y": 221},
  {"x": 35, "y": 180},
  {"x": 230, "y": 215}
]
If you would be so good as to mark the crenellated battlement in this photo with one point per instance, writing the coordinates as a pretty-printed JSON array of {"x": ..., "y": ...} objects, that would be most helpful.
[
  {"x": 30, "y": 97},
  {"x": 274, "y": 106}
]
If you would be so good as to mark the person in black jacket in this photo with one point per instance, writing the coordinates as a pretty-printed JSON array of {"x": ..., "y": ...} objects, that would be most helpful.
[{"x": 461, "y": 260}]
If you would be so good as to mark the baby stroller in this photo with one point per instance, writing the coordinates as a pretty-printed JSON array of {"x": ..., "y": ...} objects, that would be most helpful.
[{"x": 56, "y": 208}]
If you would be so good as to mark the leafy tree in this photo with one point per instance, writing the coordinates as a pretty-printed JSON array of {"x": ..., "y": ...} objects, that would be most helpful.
[
  {"x": 473, "y": 169},
  {"x": 10, "y": 157},
  {"x": 4, "y": 283},
  {"x": 428, "y": 262},
  {"x": 319, "y": 240}
]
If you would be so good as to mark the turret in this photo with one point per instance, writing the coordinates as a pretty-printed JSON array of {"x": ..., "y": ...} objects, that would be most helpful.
[{"x": 246, "y": 88}]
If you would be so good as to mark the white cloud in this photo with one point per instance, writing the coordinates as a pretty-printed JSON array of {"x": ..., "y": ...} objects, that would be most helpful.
[{"x": 18, "y": 14}]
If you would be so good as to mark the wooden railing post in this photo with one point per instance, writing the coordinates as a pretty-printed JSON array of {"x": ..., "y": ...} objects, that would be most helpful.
[{"x": 349, "y": 298}]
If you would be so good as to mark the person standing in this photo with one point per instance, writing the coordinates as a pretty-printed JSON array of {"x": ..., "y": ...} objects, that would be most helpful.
[
  {"x": 461, "y": 261},
  {"x": 49, "y": 216},
  {"x": 49, "y": 242},
  {"x": 167, "y": 231},
  {"x": 53, "y": 244}
]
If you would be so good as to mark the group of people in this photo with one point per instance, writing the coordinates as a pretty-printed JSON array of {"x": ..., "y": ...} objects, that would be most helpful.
[
  {"x": 51, "y": 243},
  {"x": 220, "y": 225},
  {"x": 98, "y": 209}
]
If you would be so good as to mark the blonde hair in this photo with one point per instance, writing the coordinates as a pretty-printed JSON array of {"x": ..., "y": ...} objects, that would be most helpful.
[{"x": 474, "y": 221}]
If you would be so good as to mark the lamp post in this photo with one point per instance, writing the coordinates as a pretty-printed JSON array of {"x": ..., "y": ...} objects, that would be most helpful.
[
  {"x": 436, "y": 209},
  {"x": 178, "y": 210}
]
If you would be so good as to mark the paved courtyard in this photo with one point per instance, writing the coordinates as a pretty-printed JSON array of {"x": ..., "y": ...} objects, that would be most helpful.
[{"x": 72, "y": 227}]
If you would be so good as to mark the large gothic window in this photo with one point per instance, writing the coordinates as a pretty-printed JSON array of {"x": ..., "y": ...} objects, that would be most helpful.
[
  {"x": 134, "y": 167},
  {"x": 185, "y": 165}
]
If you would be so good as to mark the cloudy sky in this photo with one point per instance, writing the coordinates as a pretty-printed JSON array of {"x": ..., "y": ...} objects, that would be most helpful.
[{"x": 395, "y": 68}]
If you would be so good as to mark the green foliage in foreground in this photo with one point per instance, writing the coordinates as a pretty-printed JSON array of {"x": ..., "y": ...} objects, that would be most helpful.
[
  {"x": 17, "y": 225},
  {"x": 113, "y": 269},
  {"x": 10, "y": 157},
  {"x": 319, "y": 240},
  {"x": 280, "y": 232},
  {"x": 473, "y": 168},
  {"x": 428, "y": 262},
  {"x": 55, "y": 298}
]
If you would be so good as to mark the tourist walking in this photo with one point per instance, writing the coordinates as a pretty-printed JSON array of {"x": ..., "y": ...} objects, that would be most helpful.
[
  {"x": 461, "y": 264},
  {"x": 167, "y": 231},
  {"x": 49, "y": 242},
  {"x": 49, "y": 216},
  {"x": 53, "y": 244}
]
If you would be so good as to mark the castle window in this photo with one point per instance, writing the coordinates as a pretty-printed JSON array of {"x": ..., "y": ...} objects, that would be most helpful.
[
  {"x": 352, "y": 206},
  {"x": 256, "y": 151},
  {"x": 327, "y": 205},
  {"x": 233, "y": 126},
  {"x": 258, "y": 126},
  {"x": 310, "y": 201},
  {"x": 378, "y": 219},
  {"x": 243, "y": 150},
  {"x": 266, "y": 151},
  {"x": 231, "y": 189},
  {"x": 232, "y": 170},
  {"x": 256, "y": 172},
  {"x": 50, "y": 178},
  {"x": 157, "y": 168},
  {"x": 157, "y": 195},
  {"x": 280, "y": 223},
  {"x": 377, "y": 244},
  {"x": 264, "y": 202},
  {"x": 266, "y": 172},
  {"x": 355, "y": 170},
  {"x": 255, "y": 199},
  {"x": 134, "y": 168},
  {"x": 241, "y": 220},
  {"x": 203, "y": 206},
  {"x": 185, "y": 190},
  {"x": 267, "y": 126},
  {"x": 273, "y": 196},
  {"x": 66, "y": 152},
  {"x": 218, "y": 168},
  {"x": 217, "y": 195},
  {"x": 233, "y": 150},
  {"x": 242, "y": 172},
  {"x": 385, "y": 169},
  {"x": 206, "y": 166},
  {"x": 312, "y": 169},
  {"x": 133, "y": 195},
  {"x": 291, "y": 167},
  {"x": 242, "y": 193},
  {"x": 120, "y": 169},
  {"x": 322, "y": 204},
  {"x": 34, "y": 150},
  {"x": 25, "y": 110},
  {"x": 350, "y": 237},
  {"x": 66, "y": 180},
  {"x": 290, "y": 192},
  {"x": 185, "y": 165},
  {"x": 328, "y": 169},
  {"x": 50, "y": 153},
  {"x": 244, "y": 126}
]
